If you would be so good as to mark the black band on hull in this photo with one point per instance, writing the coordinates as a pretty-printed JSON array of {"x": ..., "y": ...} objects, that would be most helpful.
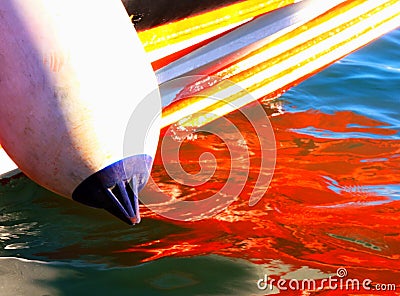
[{"x": 148, "y": 14}]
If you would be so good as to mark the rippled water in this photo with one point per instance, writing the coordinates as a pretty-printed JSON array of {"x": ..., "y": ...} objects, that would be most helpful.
[{"x": 333, "y": 202}]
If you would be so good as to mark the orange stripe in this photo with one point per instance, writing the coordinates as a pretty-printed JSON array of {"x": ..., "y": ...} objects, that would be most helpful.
[
  {"x": 165, "y": 36},
  {"x": 294, "y": 62}
]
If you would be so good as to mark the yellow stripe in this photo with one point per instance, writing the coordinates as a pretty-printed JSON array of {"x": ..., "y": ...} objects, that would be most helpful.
[
  {"x": 166, "y": 39},
  {"x": 296, "y": 54}
]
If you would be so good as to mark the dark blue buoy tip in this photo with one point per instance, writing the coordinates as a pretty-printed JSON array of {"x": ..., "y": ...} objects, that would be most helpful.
[{"x": 115, "y": 188}]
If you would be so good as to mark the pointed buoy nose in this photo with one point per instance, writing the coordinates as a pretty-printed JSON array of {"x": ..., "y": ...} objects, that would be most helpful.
[
  {"x": 115, "y": 188},
  {"x": 69, "y": 87}
]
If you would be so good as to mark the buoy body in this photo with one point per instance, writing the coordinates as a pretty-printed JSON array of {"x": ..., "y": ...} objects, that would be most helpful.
[{"x": 71, "y": 75}]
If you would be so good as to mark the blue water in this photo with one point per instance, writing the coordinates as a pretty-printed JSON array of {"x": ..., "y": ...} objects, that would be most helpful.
[{"x": 52, "y": 246}]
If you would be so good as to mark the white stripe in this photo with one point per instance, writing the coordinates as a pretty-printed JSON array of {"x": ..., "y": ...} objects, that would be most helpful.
[{"x": 323, "y": 60}]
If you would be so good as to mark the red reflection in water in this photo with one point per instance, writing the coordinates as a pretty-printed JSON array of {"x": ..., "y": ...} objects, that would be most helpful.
[{"x": 317, "y": 212}]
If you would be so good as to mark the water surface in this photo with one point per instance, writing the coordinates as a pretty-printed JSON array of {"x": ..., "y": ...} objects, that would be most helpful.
[{"x": 333, "y": 202}]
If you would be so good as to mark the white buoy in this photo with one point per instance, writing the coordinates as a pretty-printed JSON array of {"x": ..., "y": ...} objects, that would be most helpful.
[{"x": 71, "y": 75}]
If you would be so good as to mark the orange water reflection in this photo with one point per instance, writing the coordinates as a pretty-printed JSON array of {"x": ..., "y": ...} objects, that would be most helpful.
[
  {"x": 323, "y": 208},
  {"x": 329, "y": 205}
]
